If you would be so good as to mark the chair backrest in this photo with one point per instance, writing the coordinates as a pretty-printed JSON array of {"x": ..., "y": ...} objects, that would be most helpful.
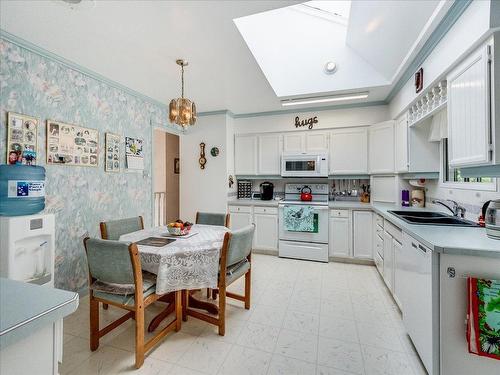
[
  {"x": 209, "y": 218},
  {"x": 112, "y": 261},
  {"x": 113, "y": 229},
  {"x": 239, "y": 245}
]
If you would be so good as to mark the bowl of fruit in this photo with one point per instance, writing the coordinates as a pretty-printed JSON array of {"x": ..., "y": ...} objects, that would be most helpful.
[{"x": 179, "y": 228}]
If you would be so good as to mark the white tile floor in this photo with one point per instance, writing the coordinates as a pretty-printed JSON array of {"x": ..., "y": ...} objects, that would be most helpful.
[{"x": 306, "y": 318}]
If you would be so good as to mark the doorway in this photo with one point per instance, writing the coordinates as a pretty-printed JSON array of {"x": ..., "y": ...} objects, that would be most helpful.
[{"x": 165, "y": 177}]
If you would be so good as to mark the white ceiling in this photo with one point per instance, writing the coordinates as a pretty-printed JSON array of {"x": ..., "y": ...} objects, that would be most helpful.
[{"x": 136, "y": 43}]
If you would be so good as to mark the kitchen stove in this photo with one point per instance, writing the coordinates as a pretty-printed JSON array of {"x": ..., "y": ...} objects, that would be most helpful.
[{"x": 308, "y": 245}]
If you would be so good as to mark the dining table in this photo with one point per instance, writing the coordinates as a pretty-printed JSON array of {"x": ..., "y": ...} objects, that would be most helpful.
[{"x": 186, "y": 263}]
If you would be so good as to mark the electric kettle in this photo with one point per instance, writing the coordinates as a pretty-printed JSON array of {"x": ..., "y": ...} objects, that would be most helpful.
[{"x": 492, "y": 219}]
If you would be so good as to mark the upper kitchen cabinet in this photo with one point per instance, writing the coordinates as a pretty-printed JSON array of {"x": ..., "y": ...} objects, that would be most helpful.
[
  {"x": 401, "y": 144},
  {"x": 469, "y": 112},
  {"x": 269, "y": 154},
  {"x": 245, "y": 154},
  {"x": 349, "y": 151},
  {"x": 413, "y": 151},
  {"x": 381, "y": 148},
  {"x": 299, "y": 142}
]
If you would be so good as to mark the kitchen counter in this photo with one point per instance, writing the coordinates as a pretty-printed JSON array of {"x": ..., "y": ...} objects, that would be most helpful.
[
  {"x": 252, "y": 202},
  {"x": 24, "y": 308},
  {"x": 443, "y": 239}
]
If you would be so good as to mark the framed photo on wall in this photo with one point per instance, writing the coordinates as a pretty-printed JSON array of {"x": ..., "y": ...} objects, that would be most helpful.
[
  {"x": 112, "y": 157},
  {"x": 72, "y": 144},
  {"x": 177, "y": 166},
  {"x": 22, "y": 139}
]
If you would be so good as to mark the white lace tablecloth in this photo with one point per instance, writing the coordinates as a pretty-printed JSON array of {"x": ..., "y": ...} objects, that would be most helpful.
[{"x": 186, "y": 263}]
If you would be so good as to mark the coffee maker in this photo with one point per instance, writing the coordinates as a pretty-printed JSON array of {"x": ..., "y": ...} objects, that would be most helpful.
[{"x": 266, "y": 191}]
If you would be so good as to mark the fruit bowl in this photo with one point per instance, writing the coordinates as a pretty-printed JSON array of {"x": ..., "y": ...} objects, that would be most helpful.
[{"x": 176, "y": 231}]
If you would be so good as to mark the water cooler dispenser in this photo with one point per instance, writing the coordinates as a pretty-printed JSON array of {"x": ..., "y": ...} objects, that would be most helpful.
[{"x": 27, "y": 248}]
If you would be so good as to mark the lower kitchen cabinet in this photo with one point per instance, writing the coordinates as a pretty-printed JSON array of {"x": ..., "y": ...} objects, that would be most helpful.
[
  {"x": 388, "y": 267},
  {"x": 398, "y": 274},
  {"x": 339, "y": 245},
  {"x": 362, "y": 234},
  {"x": 266, "y": 230}
]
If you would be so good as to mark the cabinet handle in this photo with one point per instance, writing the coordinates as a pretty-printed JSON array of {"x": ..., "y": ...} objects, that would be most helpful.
[
  {"x": 414, "y": 246},
  {"x": 422, "y": 248}
]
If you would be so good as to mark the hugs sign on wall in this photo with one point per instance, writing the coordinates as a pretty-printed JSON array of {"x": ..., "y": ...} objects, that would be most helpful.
[{"x": 306, "y": 122}]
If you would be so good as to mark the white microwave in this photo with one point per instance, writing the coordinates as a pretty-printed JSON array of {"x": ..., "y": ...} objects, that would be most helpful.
[{"x": 304, "y": 165}]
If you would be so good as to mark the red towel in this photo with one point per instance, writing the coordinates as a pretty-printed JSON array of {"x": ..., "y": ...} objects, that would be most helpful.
[{"x": 483, "y": 317}]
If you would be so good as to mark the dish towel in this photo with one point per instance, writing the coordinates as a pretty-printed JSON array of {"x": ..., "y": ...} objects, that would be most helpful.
[
  {"x": 483, "y": 317},
  {"x": 300, "y": 219}
]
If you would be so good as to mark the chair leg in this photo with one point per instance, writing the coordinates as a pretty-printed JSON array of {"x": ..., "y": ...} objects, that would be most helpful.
[
  {"x": 94, "y": 323},
  {"x": 178, "y": 310},
  {"x": 248, "y": 282},
  {"x": 208, "y": 293},
  {"x": 214, "y": 294},
  {"x": 222, "y": 310},
  {"x": 105, "y": 306},
  {"x": 139, "y": 336}
]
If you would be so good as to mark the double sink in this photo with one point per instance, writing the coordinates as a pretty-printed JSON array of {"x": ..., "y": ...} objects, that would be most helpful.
[{"x": 432, "y": 218}]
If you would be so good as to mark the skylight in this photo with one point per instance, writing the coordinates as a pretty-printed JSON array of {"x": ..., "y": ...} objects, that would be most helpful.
[{"x": 336, "y": 11}]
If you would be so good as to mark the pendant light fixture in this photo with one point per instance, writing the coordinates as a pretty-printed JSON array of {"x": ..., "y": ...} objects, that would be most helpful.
[{"x": 182, "y": 111}]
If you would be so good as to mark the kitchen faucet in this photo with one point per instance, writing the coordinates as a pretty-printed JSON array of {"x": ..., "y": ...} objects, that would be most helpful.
[{"x": 455, "y": 208}]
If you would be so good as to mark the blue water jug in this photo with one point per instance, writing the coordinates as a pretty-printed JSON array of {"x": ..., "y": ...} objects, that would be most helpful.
[{"x": 22, "y": 189}]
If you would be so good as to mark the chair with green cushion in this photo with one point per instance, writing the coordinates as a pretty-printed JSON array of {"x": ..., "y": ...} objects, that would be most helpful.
[
  {"x": 116, "y": 278},
  {"x": 209, "y": 218},
  {"x": 113, "y": 229},
  {"x": 235, "y": 262}
]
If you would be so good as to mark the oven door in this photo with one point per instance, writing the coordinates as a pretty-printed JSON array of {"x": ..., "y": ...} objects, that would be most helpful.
[
  {"x": 320, "y": 212},
  {"x": 304, "y": 165}
]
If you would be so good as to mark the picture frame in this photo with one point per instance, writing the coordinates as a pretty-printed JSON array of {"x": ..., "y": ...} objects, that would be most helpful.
[
  {"x": 22, "y": 139},
  {"x": 134, "y": 153},
  {"x": 112, "y": 152},
  {"x": 177, "y": 165},
  {"x": 69, "y": 144}
]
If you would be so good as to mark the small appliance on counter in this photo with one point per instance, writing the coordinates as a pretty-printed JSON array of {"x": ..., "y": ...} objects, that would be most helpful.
[
  {"x": 492, "y": 219},
  {"x": 266, "y": 191},
  {"x": 244, "y": 189},
  {"x": 306, "y": 194}
]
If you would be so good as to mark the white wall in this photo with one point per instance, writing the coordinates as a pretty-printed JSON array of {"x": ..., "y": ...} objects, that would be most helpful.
[
  {"x": 328, "y": 119},
  {"x": 204, "y": 189}
]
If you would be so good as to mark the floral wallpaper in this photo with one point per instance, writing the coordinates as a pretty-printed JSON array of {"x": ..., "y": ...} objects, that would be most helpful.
[{"x": 80, "y": 197}]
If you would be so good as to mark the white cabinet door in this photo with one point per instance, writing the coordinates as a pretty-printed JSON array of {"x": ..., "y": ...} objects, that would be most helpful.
[
  {"x": 388, "y": 261},
  {"x": 469, "y": 112},
  {"x": 339, "y": 237},
  {"x": 266, "y": 232},
  {"x": 349, "y": 151},
  {"x": 240, "y": 220},
  {"x": 362, "y": 234},
  {"x": 294, "y": 142},
  {"x": 316, "y": 141},
  {"x": 398, "y": 274},
  {"x": 401, "y": 144},
  {"x": 269, "y": 154},
  {"x": 381, "y": 147},
  {"x": 245, "y": 154}
]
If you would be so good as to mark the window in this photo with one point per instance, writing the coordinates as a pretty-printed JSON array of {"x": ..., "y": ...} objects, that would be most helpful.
[{"x": 452, "y": 176}]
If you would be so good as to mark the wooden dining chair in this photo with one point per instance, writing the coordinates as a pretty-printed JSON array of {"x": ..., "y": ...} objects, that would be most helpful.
[
  {"x": 235, "y": 261},
  {"x": 209, "y": 218},
  {"x": 113, "y": 229},
  {"x": 116, "y": 278}
]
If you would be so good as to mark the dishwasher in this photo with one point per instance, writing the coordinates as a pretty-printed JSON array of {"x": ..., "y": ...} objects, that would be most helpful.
[{"x": 421, "y": 300}]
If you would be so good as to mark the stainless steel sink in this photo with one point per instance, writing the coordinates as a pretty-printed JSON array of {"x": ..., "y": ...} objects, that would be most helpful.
[{"x": 432, "y": 218}]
